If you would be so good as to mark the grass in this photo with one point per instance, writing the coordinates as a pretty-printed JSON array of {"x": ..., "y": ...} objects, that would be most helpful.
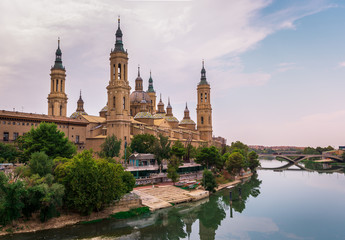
[
  {"x": 131, "y": 213},
  {"x": 92, "y": 221}
]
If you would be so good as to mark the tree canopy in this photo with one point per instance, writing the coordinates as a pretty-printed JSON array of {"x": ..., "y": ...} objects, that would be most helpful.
[
  {"x": 143, "y": 143},
  {"x": 40, "y": 164},
  {"x": 90, "y": 183},
  {"x": 208, "y": 156},
  {"x": 235, "y": 162},
  {"x": 8, "y": 153},
  {"x": 161, "y": 149},
  {"x": 46, "y": 138},
  {"x": 110, "y": 147}
]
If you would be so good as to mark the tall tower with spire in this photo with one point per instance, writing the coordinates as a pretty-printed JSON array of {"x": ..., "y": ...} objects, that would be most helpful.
[
  {"x": 204, "y": 109},
  {"x": 152, "y": 93},
  {"x": 118, "y": 113},
  {"x": 57, "y": 98}
]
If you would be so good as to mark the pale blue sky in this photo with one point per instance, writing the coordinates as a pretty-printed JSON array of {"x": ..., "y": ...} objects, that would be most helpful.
[{"x": 276, "y": 68}]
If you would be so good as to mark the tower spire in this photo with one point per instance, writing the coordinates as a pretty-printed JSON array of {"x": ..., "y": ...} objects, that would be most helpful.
[
  {"x": 138, "y": 70},
  {"x": 203, "y": 74},
  {"x": 150, "y": 89},
  {"x": 58, "y": 59},
  {"x": 119, "y": 43}
]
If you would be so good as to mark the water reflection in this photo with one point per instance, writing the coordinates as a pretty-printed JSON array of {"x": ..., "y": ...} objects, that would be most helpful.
[{"x": 178, "y": 222}]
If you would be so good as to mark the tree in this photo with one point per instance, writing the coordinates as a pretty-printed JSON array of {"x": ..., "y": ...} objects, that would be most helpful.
[
  {"x": 178, "y": 149},
  {"x": 128, "y": 180},
  {"x": 90, "y": 184},
  {"x": 143, "y": 143},
  {"x": 161, "y": 149},
  {"x": 40, "y": 164},
  {"x": 10, "y": 199},
  {"x": 253, "y": 161},
  {"x": 110, "y": 147},
  {"x": 239, "y": 147},
  {"x": 172, "y": 173},
  {"x": 208, "y": 181},
  {"x": 208, "y": 157},
  {"x": 190, "y": 152},
  {"x": 8, "y": 153},
  {"x": 46, "y": 138},
  {"x": 235, "y": 162}
]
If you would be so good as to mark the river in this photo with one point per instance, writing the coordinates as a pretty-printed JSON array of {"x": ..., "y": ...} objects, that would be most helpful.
[{"x": 271, "y": 205}]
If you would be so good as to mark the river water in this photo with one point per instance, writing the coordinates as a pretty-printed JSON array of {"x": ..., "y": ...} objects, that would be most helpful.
[{"x": 271, "y": 205}]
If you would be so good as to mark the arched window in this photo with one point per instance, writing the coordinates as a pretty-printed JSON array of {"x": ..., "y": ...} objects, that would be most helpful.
[
  {"x": 119, "y": 71},
  {"x": 60, "y": 110},
  {"x": 124, "y": 102},
  {"x": 114, "y": 71},
  {"x": 124, "y": 71},
  {"x": 205, "y": 97},
  {"x": 114, "y": 102},
  {"x": 202, "y": 120},
  {"x": 53, "y": 109},
  {"x": 61, "y": 86},
  {"x": 57, "y": 85},
  {"x": 200, "y": 97}
]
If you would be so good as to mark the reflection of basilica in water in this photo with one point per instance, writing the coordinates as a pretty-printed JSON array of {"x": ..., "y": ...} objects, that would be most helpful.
[{"x": 195, "y": 220}]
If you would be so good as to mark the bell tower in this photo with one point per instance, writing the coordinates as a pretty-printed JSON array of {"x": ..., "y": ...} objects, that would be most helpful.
[
  {"x": 152, "y": 93},
  {"x": 204, "y": 109},
  {"x": 118, "y": 114},
  {"x": 57, "y": 98}
]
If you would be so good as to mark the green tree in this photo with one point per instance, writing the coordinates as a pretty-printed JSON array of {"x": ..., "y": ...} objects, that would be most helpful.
[
  {"x": 162, "y": 149},
  {"x": 239, "y": 147},
  {"x": 46, "y": 138},
  {"x": 235, "y": 162},
  {"x": 178, "y": 149},
  {"x": 208, "y": 157},
  {"x": 40, "y": 164},
  {"x": 172, "y": 173},
  {"x": 90, "y": 184},
  {"x": 253, "y": 161},
  {"x": 10, "y": 199},
  {"x": 8, "y": 153},
  {"x": 190, "y": 152},
  {"x": 110, "y": 147},
  {"x": 129, "y": 181},
  {"x": 143, "y": 143},
  {"x": 209, "y": 181}
]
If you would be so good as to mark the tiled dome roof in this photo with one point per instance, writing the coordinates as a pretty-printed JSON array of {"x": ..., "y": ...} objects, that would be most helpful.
[
  {"x": 171, "y": 119},
  {"x": 159, "y": 115},
  {"x": 187, "y": 121},
  {"x": 77, "y": 114},
  {"x": 143, "y": 115}
]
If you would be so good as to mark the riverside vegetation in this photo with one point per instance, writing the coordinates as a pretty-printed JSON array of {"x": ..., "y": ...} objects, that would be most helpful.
[{"x": 54, "y": 177}]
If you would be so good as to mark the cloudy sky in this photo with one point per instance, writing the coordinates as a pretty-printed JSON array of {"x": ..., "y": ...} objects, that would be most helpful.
[{"x": 276, "y": 67}]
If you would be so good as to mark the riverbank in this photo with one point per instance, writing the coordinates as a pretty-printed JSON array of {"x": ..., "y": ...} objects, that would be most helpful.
[{"x": 157, "y": 197}]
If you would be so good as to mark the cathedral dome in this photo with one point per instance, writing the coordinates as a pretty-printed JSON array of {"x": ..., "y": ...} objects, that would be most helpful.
[
  {"x": 138, "y": 96},
  {"x": 143, "y": 115},
  {"x": 77, "y": 114},
  {"x": 187, "y": 121},
  {"x": 171, "y": 119},
  {"x": 159, "y": 115}
]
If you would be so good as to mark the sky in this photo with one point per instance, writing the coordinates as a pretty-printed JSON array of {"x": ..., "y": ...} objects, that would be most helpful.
[{"x": 276, "y": 67}]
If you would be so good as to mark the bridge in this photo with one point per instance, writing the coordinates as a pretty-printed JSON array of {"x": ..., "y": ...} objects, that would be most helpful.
[{"x": 301, "y": 157}]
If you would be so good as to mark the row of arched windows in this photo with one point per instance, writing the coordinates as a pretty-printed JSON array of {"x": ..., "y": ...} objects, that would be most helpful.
[
  {"x": 56, "y": 85},
  {"x": 205, "y": 97},
  {"x": 59, "y": 109},
  {"x": 124, "y": 102},
  {"x": 119, "y": 70}
]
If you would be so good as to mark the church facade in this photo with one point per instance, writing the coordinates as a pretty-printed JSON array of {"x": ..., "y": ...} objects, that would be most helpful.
[{"x": 125, "y": 114}]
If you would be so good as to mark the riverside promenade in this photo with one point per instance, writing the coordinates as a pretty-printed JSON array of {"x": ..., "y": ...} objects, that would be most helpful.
[{"x": 166, "y": 195}]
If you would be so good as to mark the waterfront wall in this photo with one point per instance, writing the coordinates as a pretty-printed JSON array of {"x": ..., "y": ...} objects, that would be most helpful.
[{"x": 162, "y": 177}]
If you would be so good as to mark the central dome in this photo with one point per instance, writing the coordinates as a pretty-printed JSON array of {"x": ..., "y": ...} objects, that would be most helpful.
[{"x": 137, "y": 97}]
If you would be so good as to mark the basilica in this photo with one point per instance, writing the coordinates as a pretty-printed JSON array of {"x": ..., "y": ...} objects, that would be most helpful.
[{"x": 125, "y": 114}]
